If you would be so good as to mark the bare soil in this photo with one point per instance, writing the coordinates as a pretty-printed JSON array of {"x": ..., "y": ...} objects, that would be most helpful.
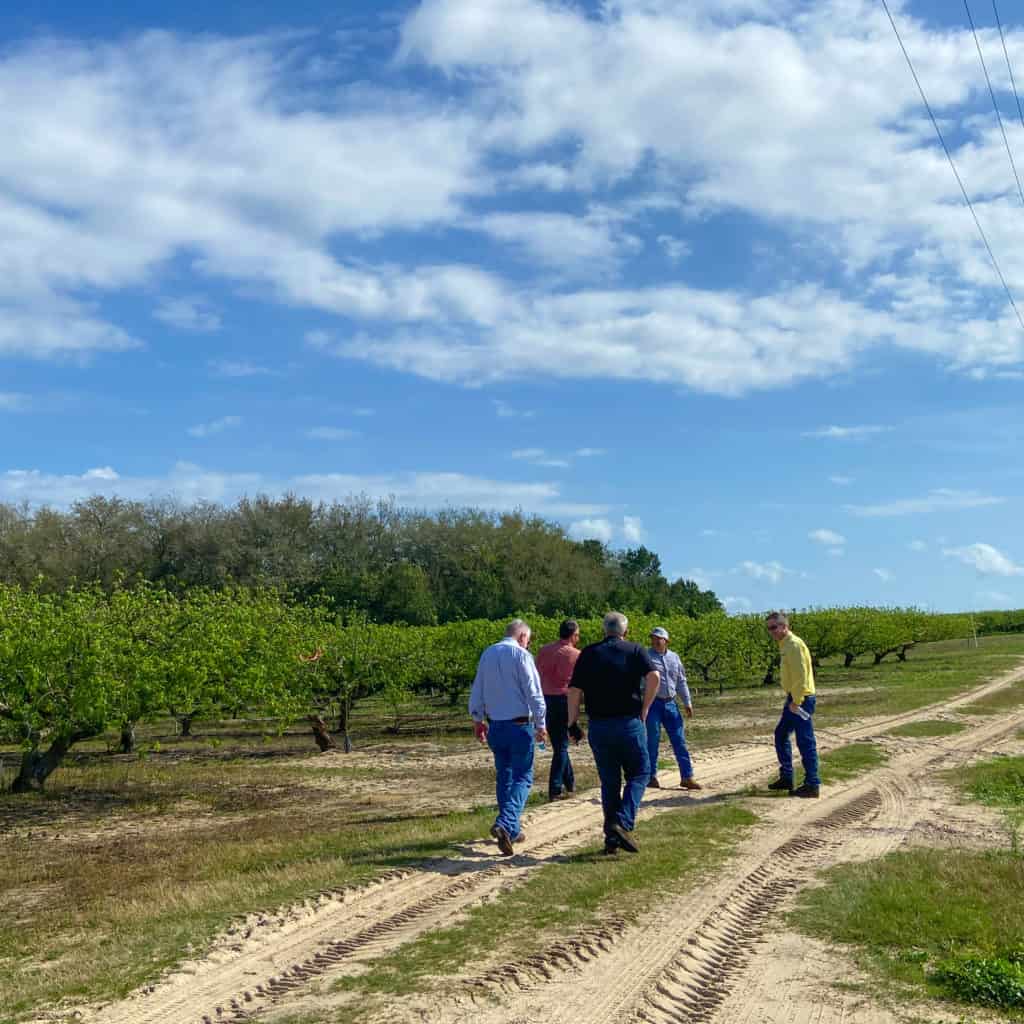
[{"x": 716, "y": 955}]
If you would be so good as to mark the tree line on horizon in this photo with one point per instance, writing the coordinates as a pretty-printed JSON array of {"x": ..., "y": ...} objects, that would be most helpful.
[{"x": 393, "y": 564}]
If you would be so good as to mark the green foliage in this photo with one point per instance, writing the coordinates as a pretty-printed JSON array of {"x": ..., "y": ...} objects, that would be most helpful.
[{"x": 985, "y": 980}]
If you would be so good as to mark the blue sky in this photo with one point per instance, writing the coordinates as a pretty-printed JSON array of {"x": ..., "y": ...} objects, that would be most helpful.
[{"x": 695, "y": 276}]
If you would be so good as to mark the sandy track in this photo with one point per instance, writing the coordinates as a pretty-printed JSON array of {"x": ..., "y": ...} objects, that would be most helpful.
[{"x": 684, "y": 971}]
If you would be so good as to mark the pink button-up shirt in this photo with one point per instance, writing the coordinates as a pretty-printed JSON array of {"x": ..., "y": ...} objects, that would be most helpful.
[{"x": 555, "y": 663}]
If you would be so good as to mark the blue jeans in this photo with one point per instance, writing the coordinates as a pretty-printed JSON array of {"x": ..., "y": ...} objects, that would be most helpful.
[
  {"x": 620, "y": 751},
  {"x": 512, "y": 746},
  {"x": 804, "y": 729},
  {"x": 666, "y": 713},
  {"x": 561, "y": 775}
]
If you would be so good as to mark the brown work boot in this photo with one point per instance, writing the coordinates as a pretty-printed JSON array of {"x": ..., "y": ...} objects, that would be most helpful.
[
  {"x": 689, "y": 784},
  {"x": 805, "y": 790},
  {"x": 653, "y": 783}
]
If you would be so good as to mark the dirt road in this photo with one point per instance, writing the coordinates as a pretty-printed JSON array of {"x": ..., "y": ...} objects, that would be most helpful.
[{"x": 718, "y": 954}]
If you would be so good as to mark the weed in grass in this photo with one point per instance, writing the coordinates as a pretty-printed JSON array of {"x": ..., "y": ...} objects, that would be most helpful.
[
  {"x": 998, "y": 783},
  {"x": 987, "y": 981},
  {"x": 929, "y": 727},
  {"x": 680, "y": 848},
  {"x": 914, "y": 910}
]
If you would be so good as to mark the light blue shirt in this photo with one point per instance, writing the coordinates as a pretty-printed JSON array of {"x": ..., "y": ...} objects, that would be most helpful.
[
  {"x": 673, "y": 676},
  {"x": 507, "y": 685}
]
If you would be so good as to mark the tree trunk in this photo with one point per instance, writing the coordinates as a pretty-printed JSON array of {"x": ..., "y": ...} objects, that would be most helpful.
[
  {"x": 901, "y": 655},
  {"x": 342, "y": 730},
  {"x": 848, "y": 659},
  {"x": 128, "y": 738},
  {"x": 37, "y": 766},
  {"x": 185, "y": 722},
  {"x": 324, "y": 740}
]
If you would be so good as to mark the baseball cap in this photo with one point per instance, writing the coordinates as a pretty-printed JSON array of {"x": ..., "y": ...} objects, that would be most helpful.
[{"x": 660, "y": 631}]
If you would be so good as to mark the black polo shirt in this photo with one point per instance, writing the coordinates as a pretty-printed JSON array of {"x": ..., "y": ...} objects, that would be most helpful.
[{"x": 611, "y": 676}]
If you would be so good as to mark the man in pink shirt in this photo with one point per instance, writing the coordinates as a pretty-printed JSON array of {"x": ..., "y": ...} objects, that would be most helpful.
[{"x": 555, "y": 663}]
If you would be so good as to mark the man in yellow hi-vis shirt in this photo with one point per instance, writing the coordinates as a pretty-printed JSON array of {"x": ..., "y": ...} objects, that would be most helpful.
[{"x": 797, "y": 678}]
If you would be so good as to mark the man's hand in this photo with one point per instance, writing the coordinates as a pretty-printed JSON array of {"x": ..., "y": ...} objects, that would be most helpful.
[
  {"x": 794, "y": 707},
  {"x": 688, "y": 711},
  {"x": 540, "y": 735},
  {"x": 480, "y": 731},
  {"x": 575, "y": 733}
]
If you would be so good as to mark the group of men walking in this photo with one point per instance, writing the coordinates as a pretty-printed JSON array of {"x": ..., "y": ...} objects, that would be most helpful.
[{"x": 630, "y": 693}]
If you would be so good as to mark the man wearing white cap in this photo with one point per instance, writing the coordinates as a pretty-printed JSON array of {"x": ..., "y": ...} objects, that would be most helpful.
[{"x": 665, "y": 712}]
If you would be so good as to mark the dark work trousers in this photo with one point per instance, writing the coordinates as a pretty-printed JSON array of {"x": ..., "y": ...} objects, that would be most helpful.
[{"x": 561, "y": 776}]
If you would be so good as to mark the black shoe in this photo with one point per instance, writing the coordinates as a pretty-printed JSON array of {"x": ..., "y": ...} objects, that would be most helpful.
[
  {"x": 504, "y": 841},
  {"x": 805, "y": 790},
  {"x": 653, "y": 783},
  {"x": 625, "y": 839},
  {"x": 552, "y": 797},
  {"x": 781, "y": 783},
  {"x": 610, "y": 849}
]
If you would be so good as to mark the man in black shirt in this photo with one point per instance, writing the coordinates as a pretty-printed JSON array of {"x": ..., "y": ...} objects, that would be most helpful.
[{"x": 618, "y": 681}]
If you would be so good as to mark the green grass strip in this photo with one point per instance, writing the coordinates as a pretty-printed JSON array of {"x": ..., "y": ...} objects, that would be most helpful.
[
  {"x": 679, "y": 850},
  {"x": 1008, "y": 699},
  {"x": 850, "y": 761},
  {"x": 929, "y": 727},
  {"x": 913, "y": 913}
]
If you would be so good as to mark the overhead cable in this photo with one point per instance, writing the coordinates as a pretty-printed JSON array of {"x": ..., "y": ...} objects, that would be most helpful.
[
  {"x": 1009, "y": 66},
  {"x": 956, "y": 173},
  {"x": 995, "y": 105}
]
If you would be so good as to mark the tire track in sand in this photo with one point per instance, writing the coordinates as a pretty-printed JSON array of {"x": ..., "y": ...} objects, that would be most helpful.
[{"x": 240, "y": 977}]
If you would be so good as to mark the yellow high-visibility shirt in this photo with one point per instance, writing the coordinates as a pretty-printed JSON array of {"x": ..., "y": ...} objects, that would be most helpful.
[{"x": 797, "y": 676}]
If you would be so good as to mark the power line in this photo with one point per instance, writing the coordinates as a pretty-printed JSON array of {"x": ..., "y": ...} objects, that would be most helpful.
[
  {"x": 956, "y": 173},
  {"x": 1009, "y": 66},
  {"x": 995, "y": 105}
]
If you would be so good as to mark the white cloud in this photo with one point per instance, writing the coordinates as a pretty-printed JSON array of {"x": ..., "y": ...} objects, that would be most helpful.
[
  {"x": 770, "y": 571},
  {"x": 632, "y": 529},
  {"x": 986, "y": 559},
  {"x": 538, "y": 457},
  {"x": 841, "y": 481},
  {"x": 215, "y": 426},
  {"x": 940, "y": 498},
  {"x": 702, "y": 577},
  {"x": 239, "y": 368},
  {"x": 883, "y": 574},
  {"x": 917, "y": 545},
  {"x": 188, "y": 314},
  {"x": 589, "y": 245},
  {"x": 12, "y": 401},
  {"x": 330, "y": 434},
  {"x": 827, "y": 537},
  {"x": 847, "y": 433},
  {"x": 675, "y": 248},
  {"x": 837, "y": 552},
  {"x": 190, "y": 482},
  {"x": 737, "y": 605},
  {"x": 121, "y": 157},
  {"x": 592, "y": 529},
  {"x": 589, "y": 453},
  {"x": 995, "y": 599},
  {"x": 506, "y": 411}
]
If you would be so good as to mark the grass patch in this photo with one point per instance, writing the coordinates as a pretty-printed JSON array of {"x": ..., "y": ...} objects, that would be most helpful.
[
  {"x": 1008, "y": 699},
  {"x": 561, "y": 897},
  {"x": 930, "y": 920},
  {"x": 132, "y": 906},
  {"x": 142, "y": 858},
  {"x": 850, "y": 761},
  {"x": 929, "y": 727}
]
